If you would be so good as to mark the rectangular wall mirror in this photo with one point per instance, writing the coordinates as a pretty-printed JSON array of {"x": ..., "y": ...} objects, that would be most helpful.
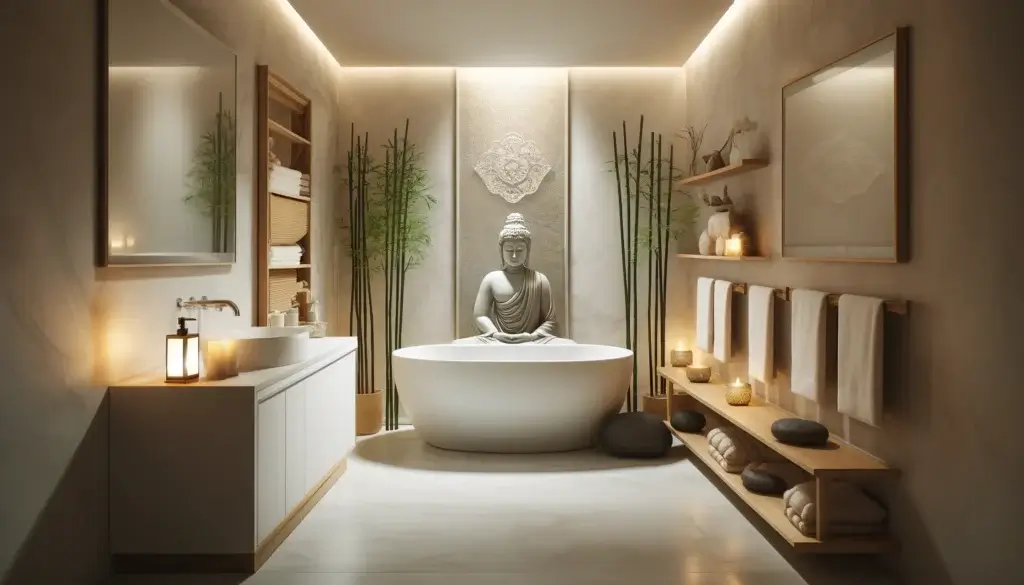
[
  {"x": 843, "y": 169},
  {"x": 168, "y": 187}
]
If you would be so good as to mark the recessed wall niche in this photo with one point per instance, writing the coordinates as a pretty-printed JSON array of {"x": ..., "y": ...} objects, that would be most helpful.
[{"x": 513, "y": 122}]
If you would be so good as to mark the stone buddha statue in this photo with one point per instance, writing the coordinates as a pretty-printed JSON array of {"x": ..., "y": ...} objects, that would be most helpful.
[{"x": 514, "y": 304}]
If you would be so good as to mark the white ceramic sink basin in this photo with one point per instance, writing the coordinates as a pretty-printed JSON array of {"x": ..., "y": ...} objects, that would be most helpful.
[{"x": 259, "y": 348}]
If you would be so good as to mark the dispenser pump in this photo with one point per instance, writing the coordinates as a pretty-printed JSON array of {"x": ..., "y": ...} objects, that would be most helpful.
[{"x": 182, "y": 328}]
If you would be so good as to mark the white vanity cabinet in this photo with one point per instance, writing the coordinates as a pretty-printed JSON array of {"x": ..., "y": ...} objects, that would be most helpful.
[{"x": 211, "y": 477}]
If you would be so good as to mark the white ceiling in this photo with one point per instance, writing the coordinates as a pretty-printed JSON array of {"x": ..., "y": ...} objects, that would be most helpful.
[{"x": 496, "y": 33}]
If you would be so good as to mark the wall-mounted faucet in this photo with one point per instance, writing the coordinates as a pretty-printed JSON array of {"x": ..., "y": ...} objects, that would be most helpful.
[{"x": 205, "y": 303}]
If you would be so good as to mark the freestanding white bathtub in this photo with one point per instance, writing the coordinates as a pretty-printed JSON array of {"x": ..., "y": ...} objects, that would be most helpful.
[{"x": 511, "y": 398}]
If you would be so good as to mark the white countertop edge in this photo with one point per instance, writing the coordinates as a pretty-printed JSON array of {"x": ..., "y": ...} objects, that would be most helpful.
[{"x": 295, "y": 373}]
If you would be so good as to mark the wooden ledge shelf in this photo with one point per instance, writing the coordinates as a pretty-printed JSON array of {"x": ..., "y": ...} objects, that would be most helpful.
[
  {"x": 279, "y": 129},
  {"x": 302, "y": 198},
  {"x": 839, "y": 461},
  {"x": 744, "y": 166},
  {"x": 290, "y": 266},
  {"x": 726, "y": 258}
]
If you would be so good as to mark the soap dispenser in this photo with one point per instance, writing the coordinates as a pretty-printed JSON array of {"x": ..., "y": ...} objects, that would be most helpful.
[{"x": 182, "y": 355}]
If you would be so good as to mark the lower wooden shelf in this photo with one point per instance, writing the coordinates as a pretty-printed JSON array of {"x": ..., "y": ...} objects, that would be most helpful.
[{"x": 772, "y": 510}]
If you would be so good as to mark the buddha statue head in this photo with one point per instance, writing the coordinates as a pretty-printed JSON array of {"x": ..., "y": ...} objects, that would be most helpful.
[{"x": 514, "y": 243}]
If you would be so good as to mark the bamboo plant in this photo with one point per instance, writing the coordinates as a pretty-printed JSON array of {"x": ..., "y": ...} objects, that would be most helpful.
[
  {"x": 388, "y": 234},
  {"x": 645, "y": 181},
  {"x": 212, "y": 177}
]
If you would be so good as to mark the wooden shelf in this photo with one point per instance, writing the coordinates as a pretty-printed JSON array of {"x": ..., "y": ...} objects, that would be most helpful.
[
  {"x": 295, "y": 197},
  {"x": 744, "y": 166},
  {"x": 726, "y": 258},
  {"x": 280, "y": 130},
  {"x": 772, "y": 510},
  {"x": 839, "y": 460},
  {"x": 289, "y": 267}
]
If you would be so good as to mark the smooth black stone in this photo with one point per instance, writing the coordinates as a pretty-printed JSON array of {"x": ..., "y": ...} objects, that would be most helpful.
[
  {"x": 762, "y": 482},
  {"x": 800, "y": 432},
  {"x": 688, "y": 421},
  {"x": 636, "y": 435}
]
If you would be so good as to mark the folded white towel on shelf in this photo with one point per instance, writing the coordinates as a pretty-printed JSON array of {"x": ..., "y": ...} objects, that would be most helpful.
[
  {"x": 285, "y": 250},
  {"x": 284, "y": 171},
  {"x": 807, "y": 335},
  {"x": 705, "y": 325},
  {"x": 850, "y": 510},
  {"x": 761, "y": 333},
  {"x": 723, "y": 320},
  {"x": 860, "y": 353},
  {"x": 732, "y": 448},
  {"x": 284, "y": 181}
]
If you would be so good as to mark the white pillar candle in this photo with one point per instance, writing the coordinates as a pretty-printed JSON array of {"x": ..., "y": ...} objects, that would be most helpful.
[{"x": 221, "y": 359}]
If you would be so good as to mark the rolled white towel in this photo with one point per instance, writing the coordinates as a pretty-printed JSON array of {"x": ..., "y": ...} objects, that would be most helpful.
[
  {"x": 732, "y": 448},
  {"x": 851, "y": 511}
]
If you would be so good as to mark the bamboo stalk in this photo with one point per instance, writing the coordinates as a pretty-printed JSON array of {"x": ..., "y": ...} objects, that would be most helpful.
[
  {"x": 668, "y": 237},
  {"x": 404, "y": 197},
  {"x": 650, "y": 272},
  {"x": 372, "y": 333},
  {"x": 659, "y": 329},
  {"x": 359, "y": 272},
  {"x": 636, "y": 233},
  {"x": 388, "y": 213},
  {"x": 631, "y": 401},
  {"x": 351, "y": 235},
  {"x": 622, "y": 234}
]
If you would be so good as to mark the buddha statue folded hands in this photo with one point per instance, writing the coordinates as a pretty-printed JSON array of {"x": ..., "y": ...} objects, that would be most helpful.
[{"x": 513, "y": 305}]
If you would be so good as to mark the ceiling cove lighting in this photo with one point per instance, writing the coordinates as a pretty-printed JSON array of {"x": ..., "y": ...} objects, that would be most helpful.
[{"x": 721, "y": 28}]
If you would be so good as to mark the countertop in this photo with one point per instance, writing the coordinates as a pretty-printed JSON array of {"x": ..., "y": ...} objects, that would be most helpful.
[{"x": 265, "y": 383}]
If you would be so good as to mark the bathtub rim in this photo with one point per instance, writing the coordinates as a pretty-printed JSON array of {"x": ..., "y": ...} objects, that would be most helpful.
[{"x": 403, "y": 353}]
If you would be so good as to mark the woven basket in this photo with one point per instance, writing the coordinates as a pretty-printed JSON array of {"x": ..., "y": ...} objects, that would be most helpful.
[
  {"x": 282, "y": 288},
  {"x": 289, "y": 220}
]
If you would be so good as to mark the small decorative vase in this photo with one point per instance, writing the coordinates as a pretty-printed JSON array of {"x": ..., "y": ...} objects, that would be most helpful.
[
  {"x": 720, "y": 224},
  {"x": 704, "y": 244},
  {"x": 713, "y": 161},
  {"x": 680, "y": 358},
  {"x": 720, "y": 247},
  {"x": 738, "y": 394},
  {"x": 698, "y": 374},
  {"x": 735, "y": 155},
  {"x": 656, "y": 405}
]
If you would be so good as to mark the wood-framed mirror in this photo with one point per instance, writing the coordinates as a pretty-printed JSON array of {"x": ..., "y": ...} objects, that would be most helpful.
[
  {"x": 167, "y": 139},
  {"x": 844, "y": 158}
]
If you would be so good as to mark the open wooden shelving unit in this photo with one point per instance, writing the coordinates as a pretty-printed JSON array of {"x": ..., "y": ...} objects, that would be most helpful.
[
  {"x": 286, "y": 114},
  {"x": 840, "y": 461},
  {"x": 744, "y": 166}
]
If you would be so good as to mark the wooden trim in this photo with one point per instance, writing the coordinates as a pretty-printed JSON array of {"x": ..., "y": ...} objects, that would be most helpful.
[
  {"x": 262, "y": 215},
  {"x": 297, "y": 515},
  {"x": 138, "y": 564},
  {"x": 102, "y": 251},
  {"x": 726, "y": 258},
  {"x": 285, "y": 93},
  {"x": 281, "y": 130},
  {"x": 744, "y": 166},
  {"x": 901, "y": 155}
]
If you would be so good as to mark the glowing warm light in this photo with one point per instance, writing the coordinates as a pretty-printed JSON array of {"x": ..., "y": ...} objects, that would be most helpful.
[
  {"x": 182, "y": 355},
  {"x": 721, "y": 28},
  {"x": 734, "y": 246},
  {"x": 680, "y": 345}
]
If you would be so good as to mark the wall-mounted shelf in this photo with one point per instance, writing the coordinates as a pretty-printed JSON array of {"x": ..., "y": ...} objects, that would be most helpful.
[
  {"x": 744, "y": 166},
  {"x": 839, "y": 461},
  {"x": 291, "y": 267},
  {"x": 295, "y": 197},
  {"x": 727, "y": 258},
  {"x": 278, "y": 129}
]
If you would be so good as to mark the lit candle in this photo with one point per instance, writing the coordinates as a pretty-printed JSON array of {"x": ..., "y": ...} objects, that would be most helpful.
[
  {"x": 734, "y": 245},
  {"x": 738, "y": 393},
  {"x": 680, "y": 357},
  {"x": 221, "y": 360}
]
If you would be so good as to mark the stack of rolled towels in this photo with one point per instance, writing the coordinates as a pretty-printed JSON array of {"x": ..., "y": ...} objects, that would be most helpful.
[
  {"x": 304, "y": 185},
  {"x": 285, "y": 181},
  {"x": 851, "y": 511},
  {"x": 285, "y": 255}
]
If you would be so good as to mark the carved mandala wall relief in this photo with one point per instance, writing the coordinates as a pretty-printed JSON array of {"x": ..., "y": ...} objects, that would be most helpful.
[{"x": 512, "y": 168}]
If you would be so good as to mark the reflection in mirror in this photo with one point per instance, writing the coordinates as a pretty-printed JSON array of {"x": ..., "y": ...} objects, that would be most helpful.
[
  {"x": 842, "y": 175},
  {"x": 170, "y": 139}
]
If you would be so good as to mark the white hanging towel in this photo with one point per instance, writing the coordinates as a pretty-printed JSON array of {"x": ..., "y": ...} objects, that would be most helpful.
[
  {"x": 723, "y": 320},
  {"x": 705, "y": 330},
  {"x": 860, "y": 358},
  {"x": 760, "y": 333},
  {"x": 807, "y": 376}
]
